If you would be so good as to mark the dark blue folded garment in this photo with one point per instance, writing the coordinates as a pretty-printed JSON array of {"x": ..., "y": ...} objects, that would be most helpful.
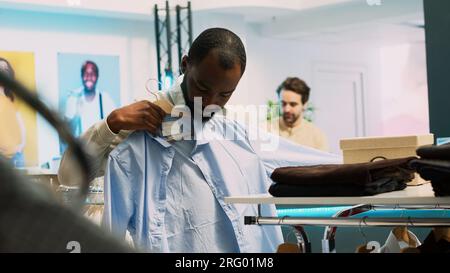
[
  {"x": 441, "y": 152},
  {"x": 335, "y": 190},
  {"x": 437, "y": 171}
]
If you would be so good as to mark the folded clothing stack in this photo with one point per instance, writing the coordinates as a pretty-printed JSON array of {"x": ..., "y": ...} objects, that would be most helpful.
[
  {"x": 362, "y": 179},
  {"x": 434, "y": 165}
]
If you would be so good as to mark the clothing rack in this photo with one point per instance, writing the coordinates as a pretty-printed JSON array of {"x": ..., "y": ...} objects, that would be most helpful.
[
  {"x": 348, "y": 222},
  {"x": 414, "y": 198}
]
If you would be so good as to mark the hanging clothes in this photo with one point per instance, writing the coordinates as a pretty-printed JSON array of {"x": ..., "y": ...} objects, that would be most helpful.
[{"x": 398, "y": 241}]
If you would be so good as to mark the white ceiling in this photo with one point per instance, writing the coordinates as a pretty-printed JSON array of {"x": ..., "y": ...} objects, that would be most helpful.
[
  {"x": 393, "y": 22},
  {"x": 142, "y": 9},
  {"x": 328, "y": 21}
]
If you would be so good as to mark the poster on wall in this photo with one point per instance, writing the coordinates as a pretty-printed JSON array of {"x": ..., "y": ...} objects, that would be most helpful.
[
  {"x": 18, "y": 135},
  {"x": 89, "y": 89}
]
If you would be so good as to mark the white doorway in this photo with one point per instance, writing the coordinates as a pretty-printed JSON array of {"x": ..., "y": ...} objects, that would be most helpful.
[{"x": 337, "y": 95}]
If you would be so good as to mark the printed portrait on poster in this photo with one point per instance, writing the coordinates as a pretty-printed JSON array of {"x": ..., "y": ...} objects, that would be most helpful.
[
  {"x": 18, "y": 136},
  {"x": 89, "y": 89}
]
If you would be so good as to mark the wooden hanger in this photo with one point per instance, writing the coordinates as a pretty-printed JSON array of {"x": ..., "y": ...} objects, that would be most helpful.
[
  {"x": 288, "y": 248},
  {"x": 364, "y": 249},
  {"x": 165, "y": 105},
  {"x": 401, "y": 233}
]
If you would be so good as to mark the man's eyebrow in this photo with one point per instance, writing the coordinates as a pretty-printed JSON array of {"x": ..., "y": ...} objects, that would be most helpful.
[{"x": 202, "y": 84}]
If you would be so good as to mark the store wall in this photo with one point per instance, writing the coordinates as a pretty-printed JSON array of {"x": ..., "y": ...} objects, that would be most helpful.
[
  {"x": 273, "y": 60},
  {"x": 269, "y": 60},
  {"x": 404, "y": 89},
  {"x": 48, "y": 34}
]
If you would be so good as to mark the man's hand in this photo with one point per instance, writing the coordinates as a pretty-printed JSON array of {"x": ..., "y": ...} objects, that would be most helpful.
[{"x": 142, "y": 115}]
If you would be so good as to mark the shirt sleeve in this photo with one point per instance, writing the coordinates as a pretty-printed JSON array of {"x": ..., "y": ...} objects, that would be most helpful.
[
  {"x": 276, "y": 152},
  {"x": 118, "y": 203},
  {"x": 99, "y": 141},
  {"x": 108, "y": 104}
]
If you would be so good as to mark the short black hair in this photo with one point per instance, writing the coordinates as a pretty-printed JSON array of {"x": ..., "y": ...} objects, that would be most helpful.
[
  {"x": 85, "y": 64},
  {"x": 296, "y": 85},
  {"x": 229, "y": 46},
  {"x": 8, "y": 72}
]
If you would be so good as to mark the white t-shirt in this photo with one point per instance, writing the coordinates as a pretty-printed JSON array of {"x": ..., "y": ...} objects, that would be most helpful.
[{"x": 89, "y": 112}]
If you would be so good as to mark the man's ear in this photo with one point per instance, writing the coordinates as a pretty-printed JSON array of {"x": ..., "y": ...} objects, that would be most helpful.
[{"x": 184, "y": 64}]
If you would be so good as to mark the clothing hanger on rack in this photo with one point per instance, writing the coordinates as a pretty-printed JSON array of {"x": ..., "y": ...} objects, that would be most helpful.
[
  {"x": 401, "y": 240},
  {"x": 365, "y": 248},
  {"x": 163, "y": 103},
  {"x": 288, "y": 247},
  {"x": 402, "y": 234}
]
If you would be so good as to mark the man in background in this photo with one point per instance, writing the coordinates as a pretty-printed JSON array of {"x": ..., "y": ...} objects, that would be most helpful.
[
  {"x": 87, "y": 105},
  {"x": 294, "y": 94}
]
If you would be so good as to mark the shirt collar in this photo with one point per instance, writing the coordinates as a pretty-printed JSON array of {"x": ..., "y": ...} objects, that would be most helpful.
[{"x": 175, "y": 95}]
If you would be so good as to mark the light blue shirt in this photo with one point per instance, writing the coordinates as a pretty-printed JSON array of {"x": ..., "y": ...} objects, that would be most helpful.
[
  {"x": 144, "y": 191},
  {"x": 197, "y": 225}
]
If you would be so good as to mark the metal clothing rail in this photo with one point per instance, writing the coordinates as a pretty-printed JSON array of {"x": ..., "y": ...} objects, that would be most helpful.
[
  {"x": 417, "y": 198},
  {"x": 328, "y": 241},
  {"x": 341, "y": 219},
  {"x": 349, "y": 222}
]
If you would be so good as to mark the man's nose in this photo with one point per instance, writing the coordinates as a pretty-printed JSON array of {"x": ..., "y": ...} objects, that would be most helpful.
[{"x": 210, "y": 100}]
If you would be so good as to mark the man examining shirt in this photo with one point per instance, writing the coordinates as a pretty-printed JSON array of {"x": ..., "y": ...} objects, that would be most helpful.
[{"x": 170, "y": 196}]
